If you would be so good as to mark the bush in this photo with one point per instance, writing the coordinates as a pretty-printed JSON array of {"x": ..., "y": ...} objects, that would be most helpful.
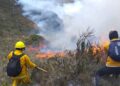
[{"x": 34, "y": 40}]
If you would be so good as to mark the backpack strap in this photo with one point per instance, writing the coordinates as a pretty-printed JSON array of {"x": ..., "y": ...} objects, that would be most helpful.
[
  {"x": 21, "y": 55},
  {"x": 13, "y": 54}
]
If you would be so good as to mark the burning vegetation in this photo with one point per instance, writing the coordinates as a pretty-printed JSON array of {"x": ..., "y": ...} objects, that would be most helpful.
[
  {"x": 75, "y": 68},
  {"x": 83, "y": 45},
  {"x": 68, "y": 68},
  {"x": 65, "y": 68},
  {"x": 50, "y": 54}
]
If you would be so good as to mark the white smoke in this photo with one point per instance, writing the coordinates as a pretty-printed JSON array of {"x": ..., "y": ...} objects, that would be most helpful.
[{"x": 61, "y": 23}]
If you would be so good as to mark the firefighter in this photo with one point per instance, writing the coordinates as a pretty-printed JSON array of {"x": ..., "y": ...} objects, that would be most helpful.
[
  {"x": 18, "y": 65},
  {"x": 113, "y": 59}
]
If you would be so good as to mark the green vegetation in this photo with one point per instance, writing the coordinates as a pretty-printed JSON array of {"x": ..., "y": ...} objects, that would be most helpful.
[{"x": 34, "y": 40}]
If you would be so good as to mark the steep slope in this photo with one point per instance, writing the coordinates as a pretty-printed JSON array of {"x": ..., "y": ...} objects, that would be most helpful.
[
  {"x": 11, "y": 20},
  {"x": 13, "y": 26}
]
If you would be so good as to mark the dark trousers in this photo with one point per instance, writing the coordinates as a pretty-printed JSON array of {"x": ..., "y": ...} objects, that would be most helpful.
[{"x": 106, "y": 71}]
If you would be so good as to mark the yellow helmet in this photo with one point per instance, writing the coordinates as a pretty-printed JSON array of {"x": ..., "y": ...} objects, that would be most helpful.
[{"x": 20, "y": 45}]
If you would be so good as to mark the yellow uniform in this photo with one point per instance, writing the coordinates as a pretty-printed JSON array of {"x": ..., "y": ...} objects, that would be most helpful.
[
  {"x": 25, "y": 62},
  {"x": 110, "y": 62}
]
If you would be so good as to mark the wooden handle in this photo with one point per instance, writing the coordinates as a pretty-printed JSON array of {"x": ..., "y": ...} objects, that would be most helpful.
[{"x": 42, "y": 69}]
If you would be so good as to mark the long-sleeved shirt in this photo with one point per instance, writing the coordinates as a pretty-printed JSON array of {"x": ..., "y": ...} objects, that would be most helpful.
[{"x": 25, "y": 63}]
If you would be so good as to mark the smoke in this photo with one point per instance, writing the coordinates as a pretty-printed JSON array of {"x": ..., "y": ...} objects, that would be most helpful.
[{"x": 61, "y": 23}]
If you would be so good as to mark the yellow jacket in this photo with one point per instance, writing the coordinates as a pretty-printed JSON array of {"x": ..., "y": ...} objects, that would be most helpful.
[
  {"x": 25, "y": 63},
  {"x": 110, "y": 62}
]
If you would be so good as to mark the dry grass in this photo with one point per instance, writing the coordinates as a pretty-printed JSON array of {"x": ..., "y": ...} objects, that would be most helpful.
[
  {"x": 68, "y": 71},
  {"x": 72, "y": 70}
]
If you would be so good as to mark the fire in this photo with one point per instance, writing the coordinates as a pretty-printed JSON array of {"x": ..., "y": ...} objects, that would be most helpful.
[
  {"x": 96, "y": 49},
  {"x": 99, "y": 48},
  {"x": 36, "y": 48},
  {"x": 106, "y": 43},
  {"x": 44, "y": 52},
  {"x": 30, "y": 48},
  {"x": 50, "y": 54}
]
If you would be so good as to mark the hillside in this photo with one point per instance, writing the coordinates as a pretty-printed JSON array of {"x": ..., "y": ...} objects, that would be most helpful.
[
  {"x": 76, "y": 68},
  {"x": 11, "y": 19},
  {"x": 12, "y": 24},
  {"x": 13, "y": 27}
]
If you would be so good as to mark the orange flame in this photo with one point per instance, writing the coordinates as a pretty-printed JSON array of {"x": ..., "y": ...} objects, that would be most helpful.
[
  {"x": 95, "y": 49},
  {"x": 50, "y": 54},
  {"x": 46, "y": 54},
  {"x": 99, "y": 48}
]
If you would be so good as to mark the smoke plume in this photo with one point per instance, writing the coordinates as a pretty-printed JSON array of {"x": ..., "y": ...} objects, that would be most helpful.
[{"x": 62, "y": 21}]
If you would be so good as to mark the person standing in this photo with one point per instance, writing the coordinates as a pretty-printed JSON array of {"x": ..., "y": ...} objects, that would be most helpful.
[{"x": 18, "y": 65}]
